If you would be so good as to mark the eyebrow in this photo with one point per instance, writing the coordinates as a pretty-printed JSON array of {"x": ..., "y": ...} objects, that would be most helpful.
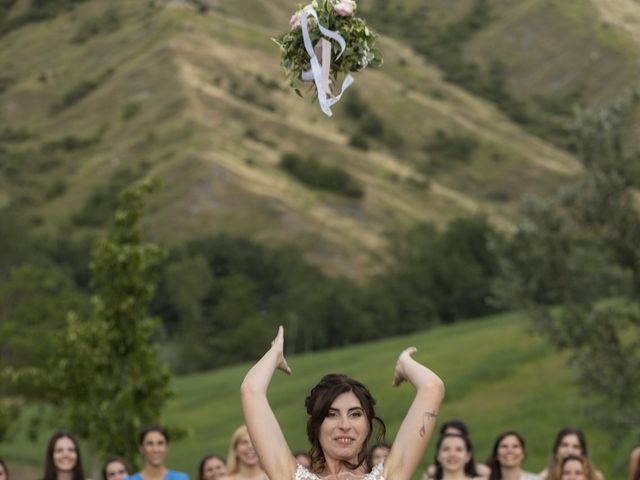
[{"x": 332, "y": 409}]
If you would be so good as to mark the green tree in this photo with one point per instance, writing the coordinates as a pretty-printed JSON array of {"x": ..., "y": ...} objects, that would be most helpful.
[
  {"x": 574, "y": 263},
  {"x": 105, "y": 378}
]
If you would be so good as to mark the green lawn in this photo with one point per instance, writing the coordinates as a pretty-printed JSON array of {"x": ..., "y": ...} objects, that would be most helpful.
[{"x": 498, "y": 375}]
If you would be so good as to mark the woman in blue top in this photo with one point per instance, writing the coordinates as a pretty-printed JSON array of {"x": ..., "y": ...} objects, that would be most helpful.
[{"x": 153, "y": 444}]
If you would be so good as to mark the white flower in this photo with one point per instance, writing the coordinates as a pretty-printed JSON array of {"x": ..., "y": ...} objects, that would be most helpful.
[{"x": 345, "y": 8}]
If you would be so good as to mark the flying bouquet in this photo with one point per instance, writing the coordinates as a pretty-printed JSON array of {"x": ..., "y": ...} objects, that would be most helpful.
[{"x": 330, "y": 31}]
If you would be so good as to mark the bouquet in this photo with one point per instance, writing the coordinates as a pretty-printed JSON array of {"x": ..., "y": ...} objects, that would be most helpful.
[{"x": 328, "y": 29}]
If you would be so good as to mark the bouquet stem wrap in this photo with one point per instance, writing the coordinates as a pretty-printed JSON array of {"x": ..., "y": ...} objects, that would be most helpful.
[{"x": 320, "y": 75}]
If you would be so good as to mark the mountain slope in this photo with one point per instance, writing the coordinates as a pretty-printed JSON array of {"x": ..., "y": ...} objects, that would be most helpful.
[{"x": 200, "y": 101}]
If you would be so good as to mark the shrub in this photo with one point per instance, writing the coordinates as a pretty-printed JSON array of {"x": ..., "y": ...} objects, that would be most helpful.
[
  {"x": 130, "y": 110},
  {"x": 359, "y": 140},
  {"x": 108, "y": 22},
  {"x": 323, "y": 177}
]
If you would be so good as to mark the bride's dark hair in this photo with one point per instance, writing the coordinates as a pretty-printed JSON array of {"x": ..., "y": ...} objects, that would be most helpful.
[{"x": 318, "y": 404}]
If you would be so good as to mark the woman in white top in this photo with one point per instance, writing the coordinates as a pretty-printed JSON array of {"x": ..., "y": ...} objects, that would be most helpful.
[
  {"x": 508, "y": 454},
  {"x": 340, "y": 422}
]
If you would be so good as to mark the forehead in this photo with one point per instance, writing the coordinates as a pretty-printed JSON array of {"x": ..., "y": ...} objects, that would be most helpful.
[
  {"x": 115, "y": 465},
  {"x": 453, "y": 442},
  {"x": 510, "y": 439},
  {"x": 571, "y": 438},
  {"x": 345, "y": 401},
  {"x": 154, "y": 436},
  {"x": 214, "y": 462},
  {"x": 64, "y": 442},
  {"x": 573, "y": 464}
]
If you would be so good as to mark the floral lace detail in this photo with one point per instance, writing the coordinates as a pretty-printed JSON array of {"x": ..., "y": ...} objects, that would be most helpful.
[{"x": 376, "y": 474}]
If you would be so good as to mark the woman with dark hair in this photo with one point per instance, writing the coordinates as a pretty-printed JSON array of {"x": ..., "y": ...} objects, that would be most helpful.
[
  {"x": 341, "y": 420},
  {"x": 508, "y": 454},
  {"x": 153, "y": 444},
  {"x": 63, "y": 460},
  {"x": 243, "y": 462},
  {"x": 378, "y": 453},
  {"x": 459, "y": 427},
  {"x": 568, "y": 441},
  {"x": 454, "y": 458},
  {"x": 212, "y": 467},
  {"x": 116, "y": 468},
  {"x": 4, "y": 471}
]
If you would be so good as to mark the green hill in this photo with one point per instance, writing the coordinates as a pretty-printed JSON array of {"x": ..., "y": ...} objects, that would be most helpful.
[
  {"x": 199, "y": 100},
  {"x": 498, "y": 376}
]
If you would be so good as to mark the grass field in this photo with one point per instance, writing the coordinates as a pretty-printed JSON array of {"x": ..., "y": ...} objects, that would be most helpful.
[{"x": 498, "y": 376}]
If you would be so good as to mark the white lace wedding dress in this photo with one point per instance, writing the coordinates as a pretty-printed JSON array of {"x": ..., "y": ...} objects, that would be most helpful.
[{"x": 376, "y": 474}]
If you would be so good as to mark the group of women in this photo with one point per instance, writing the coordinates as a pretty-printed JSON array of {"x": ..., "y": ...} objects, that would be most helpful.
[
  {"x": 455, "y": 461},
  {"x": 345, "y": 437}
]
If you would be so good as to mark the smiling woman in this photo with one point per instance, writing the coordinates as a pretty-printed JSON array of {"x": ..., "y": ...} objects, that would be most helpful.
[
  {"x": 153, "y": 444},
  {"x": 341, "y": 421},
  {"x": 454, "y": 458},
  {"x": 243, "y": 462},
  {"x": 505, "y": 462},
  {"x": 63, "y": 458}
]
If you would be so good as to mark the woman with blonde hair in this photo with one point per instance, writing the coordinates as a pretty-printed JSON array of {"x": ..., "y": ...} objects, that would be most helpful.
[
  {"x": 242, "y": 461},
  {"x": 574, "y": 467}
]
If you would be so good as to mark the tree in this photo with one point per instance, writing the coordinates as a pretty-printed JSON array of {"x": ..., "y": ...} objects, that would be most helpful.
[
  {"x": 574, "y": 264},
  {"x": 105, "y": 379}
]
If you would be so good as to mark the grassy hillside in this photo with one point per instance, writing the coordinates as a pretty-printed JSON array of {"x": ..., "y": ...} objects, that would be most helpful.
[
  {"x": 498, "y": 377},
  {"x": 155, "y": 88}
]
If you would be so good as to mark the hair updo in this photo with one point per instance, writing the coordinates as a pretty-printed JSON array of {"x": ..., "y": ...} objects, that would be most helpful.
[{"x": 318, "y": 404}]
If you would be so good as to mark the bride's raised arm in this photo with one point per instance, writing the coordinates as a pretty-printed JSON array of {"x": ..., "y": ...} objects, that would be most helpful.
[
  {"x": 417, "y": 426},
  {"x": 265, "y": 432}
]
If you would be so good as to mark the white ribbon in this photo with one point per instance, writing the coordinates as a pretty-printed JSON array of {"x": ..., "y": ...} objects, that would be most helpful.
[{"x": 315, "y": 73}]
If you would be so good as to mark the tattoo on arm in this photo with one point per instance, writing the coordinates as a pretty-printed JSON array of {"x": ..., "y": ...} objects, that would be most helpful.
[{"x": 425, "y": 416}]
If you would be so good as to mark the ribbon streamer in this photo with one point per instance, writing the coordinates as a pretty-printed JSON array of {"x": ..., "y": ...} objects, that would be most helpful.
[{"x": 316, "y": 73}]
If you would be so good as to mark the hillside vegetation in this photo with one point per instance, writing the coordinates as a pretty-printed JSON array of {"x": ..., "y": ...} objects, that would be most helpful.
[
  {"x": 199, "y": 100},
  {"x": 498, "y": 376}
]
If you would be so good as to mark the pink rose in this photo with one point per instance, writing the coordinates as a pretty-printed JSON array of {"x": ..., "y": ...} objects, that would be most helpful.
[
  {"x": 295, "y": 20},
  {"x": 344, "y": 8}
]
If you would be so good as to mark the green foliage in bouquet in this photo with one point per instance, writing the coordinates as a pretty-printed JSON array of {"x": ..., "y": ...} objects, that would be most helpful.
[{"x": 338, "y": 16}]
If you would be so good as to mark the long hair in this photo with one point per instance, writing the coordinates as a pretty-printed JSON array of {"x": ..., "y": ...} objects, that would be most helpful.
[
  {"x": 493, "y": 463},
  {"x": 204, "y": 461},
  {"x": 50, "y": 471},
  {"x": 587, "y": 468},
  {"x": 5, "y": 468},
  {"x": 116, "y": 459},
  {"x": 469, "y": 467},
  {"x": 232, "y": 461},
  {"x": 318, "y": 404},
  {"x": 553, "y": 460}
]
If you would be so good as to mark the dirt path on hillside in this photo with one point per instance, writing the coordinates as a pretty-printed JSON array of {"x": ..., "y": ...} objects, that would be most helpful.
[{"x": 624, "y": 14}]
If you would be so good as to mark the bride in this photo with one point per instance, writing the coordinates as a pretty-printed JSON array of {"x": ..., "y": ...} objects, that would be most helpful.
[{"x": 340, "y": 422}]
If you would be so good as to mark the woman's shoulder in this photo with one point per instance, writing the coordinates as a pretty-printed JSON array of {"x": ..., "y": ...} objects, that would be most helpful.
[{"x": 173, "y": 475}]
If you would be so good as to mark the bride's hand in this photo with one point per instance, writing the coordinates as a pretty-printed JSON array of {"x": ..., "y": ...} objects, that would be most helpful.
[
  {"x": 399, "y": 374},
  {"x": 277, "y": 345}
]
